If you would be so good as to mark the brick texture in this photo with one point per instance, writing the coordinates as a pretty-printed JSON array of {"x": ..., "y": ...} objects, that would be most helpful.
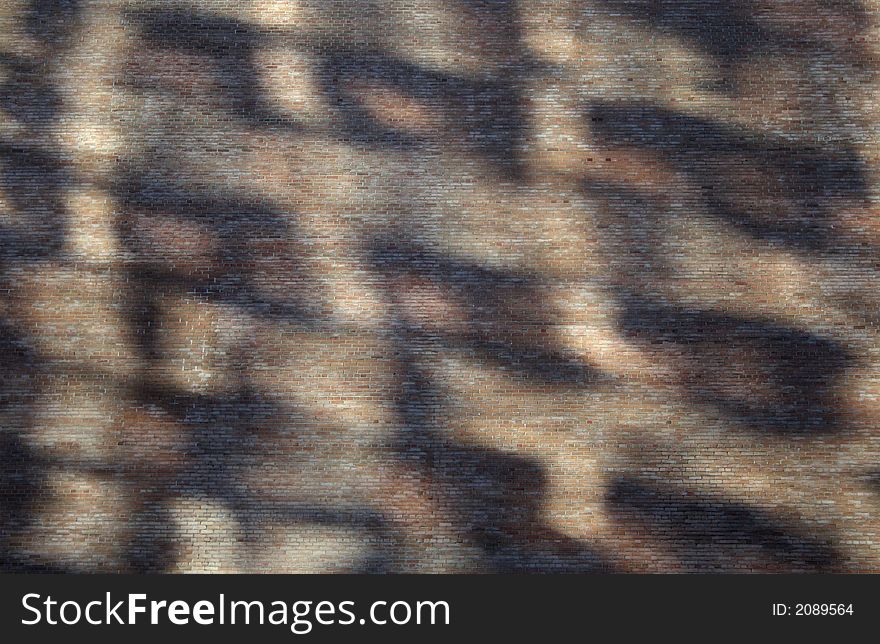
[{"x": 439, "y": 285}]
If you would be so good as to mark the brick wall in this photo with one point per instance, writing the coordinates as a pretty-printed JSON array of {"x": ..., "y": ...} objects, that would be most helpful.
[{"x": 439, "y": 285}]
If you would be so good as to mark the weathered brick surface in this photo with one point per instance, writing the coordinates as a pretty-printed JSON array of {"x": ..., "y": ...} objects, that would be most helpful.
[{"x": 439, "y": 285}]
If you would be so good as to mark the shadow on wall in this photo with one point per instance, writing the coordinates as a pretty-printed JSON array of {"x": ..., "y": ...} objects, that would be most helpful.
[
  {"x": 22, "y": 471},
  {"x": 483, "y": 115},
  {"x": 706, "y": 532},
  {"x": 229, "y": 47},
  {"x": 495, "y": 498},
  {"x": 226, "y": 436},
  {"x": 33, "y": 181},
  {"x": 758, "y": 373},
  {"x": 504, "y": 313},
  {"x": 785, "y": 192},
  {"x": 52, "y": 21},
  {"x": 33, "y": 175},
  {"x": 766, "y": 376},
  {"x": 778, "y": 191},
  {"x": 736, "y": 33},
  {"x": 238, "y": 229}
]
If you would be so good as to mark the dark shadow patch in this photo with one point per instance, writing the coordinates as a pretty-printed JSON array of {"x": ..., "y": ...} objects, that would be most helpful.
[
  {"x": 771, "y": 188},
  {"x": 21, "y": 480},
  {"x": 498, "y": 499},
  {"x": 34, "y": 182},
  {"x": 227, "y": 435},
  {"x": 773, "y": 377},
  {"x": 22, "y": 470},
  {"x": 710, "y": 533},
  {"x": 723, "y": 29},
  {"x": 731, "y": 31},
  {"x": 506, "y": 314},
  {"x": 485, "y": 115},
  {"x": 52, "y": 21},
  {"x": 243, "y": 228},
  {"x": 230, "y": 47},
  {"x": 34, "y": 179},
  {"x": 151, "y": 548},
  {"x": 26, "y": 94}
]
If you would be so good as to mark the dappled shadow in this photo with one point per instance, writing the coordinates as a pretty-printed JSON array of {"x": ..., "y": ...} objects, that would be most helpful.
[
  {"x": 34, "y": 181},
  {"x": 228, "y": 47},
  {"x": 708, "y": 533},
  {"x": 243, "y": 238},
  {"x": 52, "y": 21},
  {"x": 497, "y": 499},
  {"x": 767, "y": 376},
  {"x": 484, "y": 116},
  {"x": 343, "y": 302},
  {"x": 737, "y": 33},
  {"x": 226, "y": 436},
  {"x": 775, "y": 189},
  {"x": 34, "y": 176},
  {"x": 23, "y": 471},
  {"x": 21, "y": 477},
  {"x": 503, "y": 313}
]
